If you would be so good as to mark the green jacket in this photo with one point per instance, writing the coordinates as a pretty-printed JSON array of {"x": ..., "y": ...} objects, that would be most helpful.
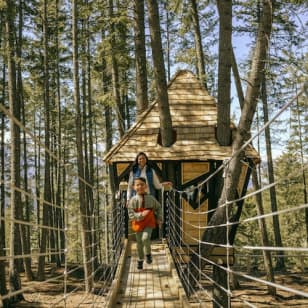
[{"x": 149, "y": 203}]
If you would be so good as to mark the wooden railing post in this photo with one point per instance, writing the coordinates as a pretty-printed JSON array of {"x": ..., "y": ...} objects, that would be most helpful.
[{"x": 123, "y": 193}]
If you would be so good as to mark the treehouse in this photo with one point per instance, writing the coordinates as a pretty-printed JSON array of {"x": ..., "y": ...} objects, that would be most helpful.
[{"x": 191, "y": 159}]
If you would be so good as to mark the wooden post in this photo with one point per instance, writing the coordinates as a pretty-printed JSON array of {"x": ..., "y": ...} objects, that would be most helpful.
[
  {"x": 123, "y": 186},
  {"x": 220, "y": 297}
]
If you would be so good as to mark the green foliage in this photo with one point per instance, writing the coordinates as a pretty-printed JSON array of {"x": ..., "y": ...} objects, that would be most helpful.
[
  {"x": 181, "y": 36},
  {"x": 290, "y": 196},
  {"x": 2, "y": 4}
]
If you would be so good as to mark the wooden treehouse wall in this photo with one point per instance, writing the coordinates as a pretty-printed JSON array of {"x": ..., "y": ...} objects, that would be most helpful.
[{"x": 194, "y": 217}]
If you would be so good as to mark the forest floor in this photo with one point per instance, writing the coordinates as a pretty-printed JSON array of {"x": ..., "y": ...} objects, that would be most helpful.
[
  {"x": 51, "y": 293},
  {"x": 255, "y": 294}
]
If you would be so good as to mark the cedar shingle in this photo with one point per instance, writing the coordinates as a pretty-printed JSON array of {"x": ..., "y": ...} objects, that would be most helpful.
[{"x": 194, "y": 117}]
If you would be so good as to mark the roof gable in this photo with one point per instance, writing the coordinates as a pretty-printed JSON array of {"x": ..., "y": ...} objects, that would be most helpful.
[{"x": 194, "y": 117}]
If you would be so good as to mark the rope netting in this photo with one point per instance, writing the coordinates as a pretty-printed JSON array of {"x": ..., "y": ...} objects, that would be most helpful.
[
  {"x": 251, "y": 265},
  {"x": 57, "y": 235},
  {"x": 37, "y": 230}
]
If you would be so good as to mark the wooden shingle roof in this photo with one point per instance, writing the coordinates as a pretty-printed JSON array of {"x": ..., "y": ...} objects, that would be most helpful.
[{"x": 194, "y": 117}]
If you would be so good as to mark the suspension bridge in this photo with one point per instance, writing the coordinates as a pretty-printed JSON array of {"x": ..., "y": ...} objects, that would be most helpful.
[
  {"x": 182, "y": 274},
  {"x": 163, "y": 283}
]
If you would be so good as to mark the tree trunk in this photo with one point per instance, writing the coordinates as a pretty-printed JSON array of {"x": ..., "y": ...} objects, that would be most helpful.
[
  {"x": 262, "y": 225},
  {"x": 220, "y": 298},
  {"x": 237, "y": 80},
  {"x": 98, "y": 197},
  {"x": 198, "y": 43},
  {"x": 223, "y": 123},
  {"x": 14, "y": 280},
  {"x": 47, "y": 211},
  {"x": 276, "y": 225},
  {"x": 64, "y": 213},
  {"x": 224, "y": 70},
  {"x": 86, "y": 243},
  {"x": 53, "y": 247},
  {"x": 90, "y": 164},
  {"x": 25, "y": 229},
  {"x": 60, "y": 170},
  {"x": 141, "y": 63},
  {"x": 160, "y": 75},
  {"x": 265, "y": 242},
  {"x": 280, "y": 264},
  {"x": 84, "y": 117},
  {"x": 115, "y": 73},
  {"x": 3, "y": 289},
  {"x": 37, "y": 167},
  {"x": 108, "y": 143},
  {"x": 167, "y": 52},
  {"x": 218, "y": 235}
]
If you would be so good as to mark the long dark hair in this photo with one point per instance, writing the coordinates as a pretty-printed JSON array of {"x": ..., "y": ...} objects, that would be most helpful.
[
  {"x": 135, "y": 164},
  {"x": 139, "y": 154}
]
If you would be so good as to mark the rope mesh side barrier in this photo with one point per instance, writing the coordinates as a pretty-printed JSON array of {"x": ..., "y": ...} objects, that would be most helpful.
[
  {"x": 243, "y": 261},
  {"x": 64, "y": 250},
  {"x": 64, "y": 260}
]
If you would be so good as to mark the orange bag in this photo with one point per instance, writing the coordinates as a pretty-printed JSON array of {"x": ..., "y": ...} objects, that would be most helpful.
[{"x": 148, "y": 221}]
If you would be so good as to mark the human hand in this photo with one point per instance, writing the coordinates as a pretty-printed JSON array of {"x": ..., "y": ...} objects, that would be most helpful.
[
  {"x": 167, "y": 185},
  {"x": 145, "y": 213}
]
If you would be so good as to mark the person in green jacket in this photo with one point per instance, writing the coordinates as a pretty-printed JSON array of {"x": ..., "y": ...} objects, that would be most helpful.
[{"x": 145, "y": 213}]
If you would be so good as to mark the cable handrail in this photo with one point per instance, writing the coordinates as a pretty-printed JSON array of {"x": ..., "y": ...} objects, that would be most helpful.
[{"x": 108, "y": 231}]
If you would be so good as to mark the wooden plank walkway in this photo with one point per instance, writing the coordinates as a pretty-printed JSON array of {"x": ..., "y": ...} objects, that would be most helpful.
[{"x": 154, "y": 286}]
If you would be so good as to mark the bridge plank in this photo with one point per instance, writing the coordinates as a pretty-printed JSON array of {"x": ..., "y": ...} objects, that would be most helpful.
[{"x": 151, "y": 287}]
